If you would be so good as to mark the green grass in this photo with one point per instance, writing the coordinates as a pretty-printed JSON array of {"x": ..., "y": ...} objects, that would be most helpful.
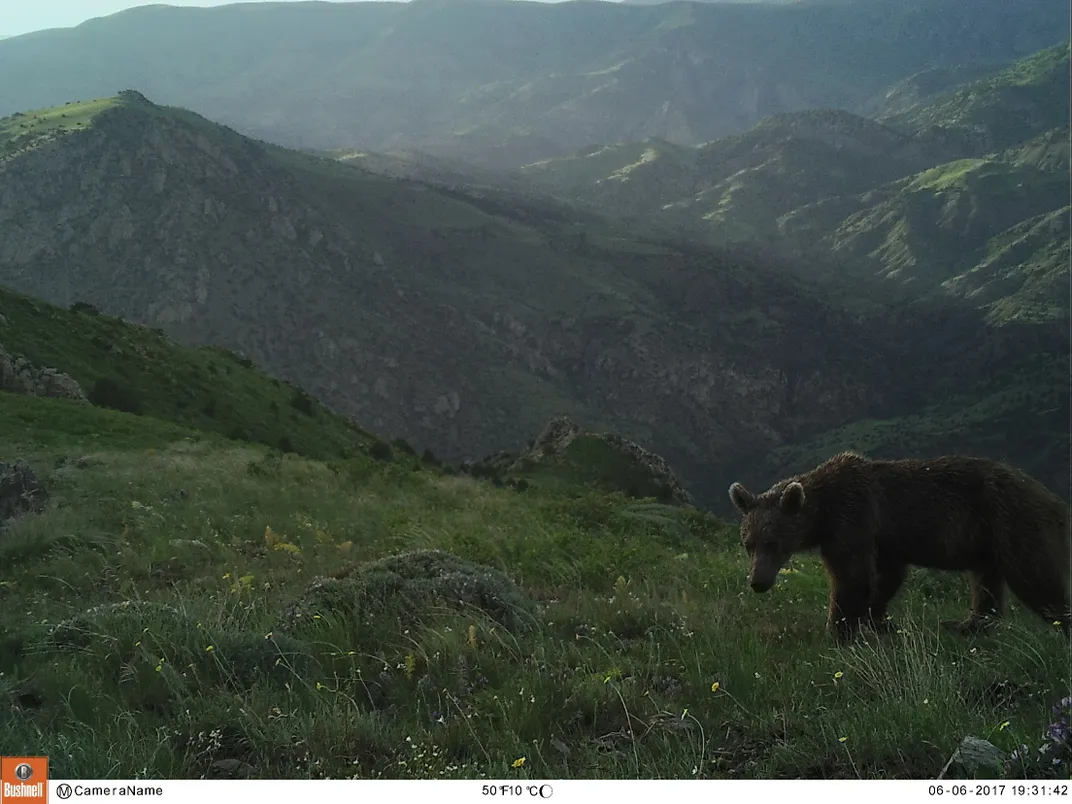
[
  {"x": 953, "y": 174},
  {"x": 615, "y": 619},
  {"x": 26, "y": 130}
]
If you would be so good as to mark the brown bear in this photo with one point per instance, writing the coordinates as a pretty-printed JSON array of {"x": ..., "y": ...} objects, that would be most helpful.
[{"x": 872, "y": 519}]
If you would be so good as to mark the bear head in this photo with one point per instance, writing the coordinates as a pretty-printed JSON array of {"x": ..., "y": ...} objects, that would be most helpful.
[{"x": 774, "y": 525}]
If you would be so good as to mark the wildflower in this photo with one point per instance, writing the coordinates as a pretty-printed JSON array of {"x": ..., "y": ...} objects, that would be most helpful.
[
  {"x": 1003, "y": 726},
  {"x": 683, "y": 714},
  {"x": 838, "y": 675},
  {"x": 518, "y": 763},
  {"x": 471, "y": 636},
  {"x": 842, "y": 739},
  {"x": 209, "y": 649},
  {"x": 714, "y": 687}
]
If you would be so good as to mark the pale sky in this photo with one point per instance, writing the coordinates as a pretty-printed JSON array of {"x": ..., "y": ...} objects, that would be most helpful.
[{"x": 23, "y": 16}]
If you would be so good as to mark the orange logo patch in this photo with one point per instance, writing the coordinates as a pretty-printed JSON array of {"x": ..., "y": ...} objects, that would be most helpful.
[{"x": 23, "y": 780}]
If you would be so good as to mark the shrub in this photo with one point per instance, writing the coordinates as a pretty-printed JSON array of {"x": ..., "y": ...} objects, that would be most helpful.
[
  {"x": 381, "y": 451},
  {"x": 107, "y": 393},
  {"x": 410, "y": 586},
  {"x": 404, "y": 446},
  {"x": 302, "y": 402},
  {"x": 84, "y": 307}
]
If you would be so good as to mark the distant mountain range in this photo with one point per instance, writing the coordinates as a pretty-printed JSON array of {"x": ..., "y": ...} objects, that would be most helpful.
[
  {"x": 959, "y": 189},
  {"x": 509, "y": 83}
]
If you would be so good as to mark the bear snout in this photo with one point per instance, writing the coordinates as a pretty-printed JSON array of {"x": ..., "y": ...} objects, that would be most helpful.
[{"x": 761, "y": 586}]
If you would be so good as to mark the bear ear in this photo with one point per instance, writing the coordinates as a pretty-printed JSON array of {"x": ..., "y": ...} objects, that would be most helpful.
[
  {"x": 792, "y": 498},
  {"x": 742, "y": 498}
]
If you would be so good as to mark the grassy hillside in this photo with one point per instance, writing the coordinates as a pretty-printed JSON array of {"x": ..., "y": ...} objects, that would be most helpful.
[
  {"x": 959, "y": 226},
  {"x": 172, "y": 628},
  {"x": 431, "y": 77},
  {"x": 138, "y": 370}
]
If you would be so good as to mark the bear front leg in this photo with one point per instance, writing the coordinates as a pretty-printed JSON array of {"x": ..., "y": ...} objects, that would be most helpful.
[
  {"x": 891, "y": 575},
  {"x": 851, "y": 592}
]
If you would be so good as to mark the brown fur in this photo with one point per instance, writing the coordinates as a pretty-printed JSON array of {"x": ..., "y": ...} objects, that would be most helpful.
[{"x": 872, "y": 519}]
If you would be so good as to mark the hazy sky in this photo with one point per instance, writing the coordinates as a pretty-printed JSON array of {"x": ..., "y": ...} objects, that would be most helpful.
[{"x": 23, "y": 16}]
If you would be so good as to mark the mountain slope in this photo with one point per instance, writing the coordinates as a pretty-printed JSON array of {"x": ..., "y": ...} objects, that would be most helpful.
[
  {"x": 973, "y": 216},
  {"x": 997, "y": 111},
  {"x": 460, "y": 320},
  {"x": 865, "y": 200},
  {"x": 508, "y": 83},
  {"x": 735, "y": 188},
  {"x": 463, "y": 322}
]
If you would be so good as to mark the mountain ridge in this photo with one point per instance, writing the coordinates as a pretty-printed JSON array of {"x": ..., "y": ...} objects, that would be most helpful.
[{"x": 388, "y": 76}]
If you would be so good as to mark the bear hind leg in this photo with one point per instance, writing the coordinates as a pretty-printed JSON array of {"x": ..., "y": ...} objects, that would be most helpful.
[
  {"x": 1045, "y": 593},
  {"x": 988, "y": 600}
]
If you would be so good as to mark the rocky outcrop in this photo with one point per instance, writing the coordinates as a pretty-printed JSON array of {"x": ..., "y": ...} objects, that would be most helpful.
[
  {"x": 561, "y": 431},
  {"x": 20, "y": 491},
  {"x": 20, "y": 376}
]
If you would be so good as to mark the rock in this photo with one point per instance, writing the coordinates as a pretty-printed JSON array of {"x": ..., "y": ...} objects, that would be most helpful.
[
  {"x": 231, "y": 768},
  {"x": 655, "y": 464},
  {"x": 19, "y": 376},
  {"x": 974, "y": 755},
  {"x": 20, "y": 491}
]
